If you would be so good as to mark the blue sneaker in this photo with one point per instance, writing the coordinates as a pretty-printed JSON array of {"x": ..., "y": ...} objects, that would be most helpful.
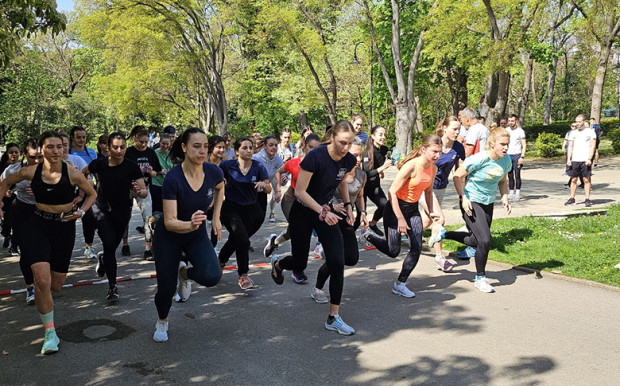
[
  {"x": 466, "y": 253},
  {"x": 338, "y": 325},
  {"x": 50, "y": 345}
]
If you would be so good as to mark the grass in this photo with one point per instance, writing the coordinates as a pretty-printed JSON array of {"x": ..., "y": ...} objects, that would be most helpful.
[{"x": 584, "y": 247}]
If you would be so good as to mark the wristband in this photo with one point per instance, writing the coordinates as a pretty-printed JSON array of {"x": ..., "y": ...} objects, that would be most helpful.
[
  {"x": 81, "y": 212},
  {"x": 326, "y": 209},
  {"x": 347, "y": 204}
]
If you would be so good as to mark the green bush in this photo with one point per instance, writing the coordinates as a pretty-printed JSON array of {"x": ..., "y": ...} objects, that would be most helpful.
[
  {"x": 561, "y": 127},
  {"x": 614, "y": 135},
  {"x": 548, "y": 144}
]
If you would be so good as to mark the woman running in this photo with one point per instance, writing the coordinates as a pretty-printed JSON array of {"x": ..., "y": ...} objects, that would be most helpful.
[
  {"x": 189, "y": 189},
  {"x": 53, "y": 183},
  {"x": 10, "y": 157},
  {"x": 415, "y": 178},
  {"x": 241, "y": 213},
  {"x": 356, "y": 179},
  {"x": 272, "y": 162},
  {"x": 485, "y": 171},
  {"x": 375, "y": 164},
  {"x": 116, "y": 178},
  {"x": 322, "y": 171},
  {"x": 22, "y": 208}
]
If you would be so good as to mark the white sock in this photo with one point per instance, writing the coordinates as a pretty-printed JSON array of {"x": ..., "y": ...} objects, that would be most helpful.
[{"x": 518, "y": 192}]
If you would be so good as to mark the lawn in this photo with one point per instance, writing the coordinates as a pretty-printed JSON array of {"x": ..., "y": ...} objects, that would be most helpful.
[{"x": 586, "y": 247}]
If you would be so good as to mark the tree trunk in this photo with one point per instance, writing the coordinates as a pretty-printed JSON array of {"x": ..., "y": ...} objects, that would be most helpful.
[
  {"x": 550, "y": 87},
  {"x": 405, "y": 119},
  {"x": 457, "y": 83},
  {"x": 527, "y": 85},
  {"x": 599, "y": 81},
  {"x": 492, "y": 104},
  {"x": 303, "y": 120}
]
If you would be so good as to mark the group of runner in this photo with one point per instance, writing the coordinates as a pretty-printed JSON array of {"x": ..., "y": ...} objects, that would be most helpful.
[{"x": 198, "y": 180}]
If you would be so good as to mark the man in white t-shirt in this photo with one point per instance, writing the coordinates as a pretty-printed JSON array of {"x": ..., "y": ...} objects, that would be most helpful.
[
  {"x": 462, "y": 130},
  {"x": 581, "y": 147},
  {"x": 477, "y": 133},
  {"x": 516, "y": 151}
]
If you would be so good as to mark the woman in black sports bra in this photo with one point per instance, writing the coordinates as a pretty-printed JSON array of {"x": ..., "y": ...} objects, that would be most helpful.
[{"x": 52, "y": 227}]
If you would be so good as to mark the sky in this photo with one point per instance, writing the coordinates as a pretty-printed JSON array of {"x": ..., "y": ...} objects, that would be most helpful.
[{"x": 64, "y": 5}]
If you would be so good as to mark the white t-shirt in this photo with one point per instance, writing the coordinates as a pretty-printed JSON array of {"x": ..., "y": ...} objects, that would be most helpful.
[
  {"x": 581, "y": 144},
  {"x": 477, "y": 133},
  {"x": 463, "y": 132},
  {"x": 516, "y": 135}
]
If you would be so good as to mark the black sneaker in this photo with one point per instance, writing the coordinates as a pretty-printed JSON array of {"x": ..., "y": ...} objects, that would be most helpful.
[
  {"x": 566, "y": 186},
  {"x": 112, "y": 294},
  {"x": 140, "y": 229},
  {"x": 251, "y": 248},
  {"x": 148, "y": 255},
  {"x": 571, "y": 201},
  {"x": 13, "y": 250},
  {"x": 271, "y": 245},
  {"x": 588, "y": 203},
  {"x": 376, "y": 229},
  {"x": 100, "y": 269},
  {"x": 125, "y": 251}
]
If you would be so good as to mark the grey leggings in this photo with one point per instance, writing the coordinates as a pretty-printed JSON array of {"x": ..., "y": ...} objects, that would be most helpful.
[{"x": 391, "y": 244}]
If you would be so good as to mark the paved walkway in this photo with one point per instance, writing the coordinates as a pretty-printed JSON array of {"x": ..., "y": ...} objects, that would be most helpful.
[{"x": 532, "y": 331}]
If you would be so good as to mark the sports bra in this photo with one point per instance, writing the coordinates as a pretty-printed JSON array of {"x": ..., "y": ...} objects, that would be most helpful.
[
  {"x": 60, "y": 193},
  {"x": 413, "y": 188}
]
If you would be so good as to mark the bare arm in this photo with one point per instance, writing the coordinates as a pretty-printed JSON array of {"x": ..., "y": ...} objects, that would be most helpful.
[
  {"x": 173, "y": 224},
  {"x": 218, "y": 198}
]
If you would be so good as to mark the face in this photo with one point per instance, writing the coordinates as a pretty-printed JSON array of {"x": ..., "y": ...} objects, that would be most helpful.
[
  {"x": 164, "y": 145},
  {"x": 466, "y": 122},
  {"x": 378, "y": 136},
  {"x": 512, "y": 122},
  {"x": 104, "y": 147},
  {"x": 173, "y": 137},
  {"x": 285, "y": 138},
  {"x": 310, "y": 145},
  {"x": 341, "y": 142},
  {"x": 500, "y": 147},
  {"x": 579, "y": 122},
  {"x": 246, "y": 150},
  {"x": 52, "y": 149},
  {"x": 118, "y": 147},
  {"x": 33, "y": 156},
  {"x": 503, "y": 122},
  {"x": 79, "y": 138},
  {"x": 357, "y": 151},
  {"x": 592, "y": 121},
  {"x": 357, "y": 124},
  {"x": 228, "y": 142},
  {"x": 141, "y": 142},
  {"x": 13, "y": 154},
  {"x": 432, "y": 153},
  {"x": 196, "y": 148},
  {"x": 452, "y": 131},
  {"x": 271, "y": 147},
  {"x": 65, "y": 146},
  {"x": 218, "y": 150}
]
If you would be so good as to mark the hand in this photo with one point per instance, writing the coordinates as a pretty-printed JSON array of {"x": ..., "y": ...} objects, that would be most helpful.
[
  {"x": 387, "y": 164},
  {"x": 72, "y": 216},
  {"x": 163, "y": 172},
  {"x": 381, "y": 175},
  {"x": 149, "y": 170},
  {"x": 143, "y": 170},
  {"x": 339, "y": 208},
  {"x": 588, "y": 162},
  {"x": 520, "y": 161},
  {"x": 217, "y": 227},
  {"x": 135, "y": 187},
  {"x": 568, "y": 163},
  {"x": 434, "y": 216},
  {"x": 364, "y": 222},
  {"x": 402, "y": 225},
  {"x": 198, "y": 218},
  {"x": 77, "y": 200},
  {"x": 8, "y": 193},
  {"x": 277, "y": 197},
  {"x": 259, "y": 186},
  {"x": 332, "y": 219},
  {"x": 283, "y": 180},
  {"x": 29, "y": 190},
  {"x": 507, "y": 206},
  {"x": 466, "y": 205}
]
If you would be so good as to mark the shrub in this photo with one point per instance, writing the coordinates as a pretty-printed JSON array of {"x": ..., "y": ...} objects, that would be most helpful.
[
  {"x": 614, "y": 135},
  {"x": 548, "y": 144},
  {"x": 561, "y": 127}
]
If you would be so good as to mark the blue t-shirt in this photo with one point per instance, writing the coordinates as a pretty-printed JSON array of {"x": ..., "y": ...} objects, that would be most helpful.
[
  {"x": 484, "y": 176},
  {"x": 363, "y": 136},
  {"x": 240, "y": 188},
  {"x": 446, "y": 162},
  {"x": 189, "y": 201},
  {"x": 87, "y": 154},
  {"x": 326, "y": 173}
]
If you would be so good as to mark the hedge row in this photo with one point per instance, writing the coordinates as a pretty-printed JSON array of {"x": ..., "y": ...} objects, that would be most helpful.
[{"x": 561, "y": 127}]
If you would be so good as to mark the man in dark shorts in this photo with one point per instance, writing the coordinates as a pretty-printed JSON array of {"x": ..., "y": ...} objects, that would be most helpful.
[{"x": 581, "y": 147}]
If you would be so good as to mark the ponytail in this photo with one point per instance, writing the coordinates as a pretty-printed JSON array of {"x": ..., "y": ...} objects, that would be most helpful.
[{"x": 176, "y": 154}]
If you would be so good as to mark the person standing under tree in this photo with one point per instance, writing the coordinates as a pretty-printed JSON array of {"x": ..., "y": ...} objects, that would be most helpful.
[
  {"x": 516, "y": 151},
  {"x": 581, "y": 148}
]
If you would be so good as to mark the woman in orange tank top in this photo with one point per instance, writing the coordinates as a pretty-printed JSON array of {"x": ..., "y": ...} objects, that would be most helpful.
[{"x": 415, "y": 177}]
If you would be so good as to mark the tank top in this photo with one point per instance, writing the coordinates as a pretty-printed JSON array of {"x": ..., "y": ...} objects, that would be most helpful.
[
  {"x": 60, "y": 193},
  {"x": 413, "y": 188},
  {"x": 359, "y": 179}
]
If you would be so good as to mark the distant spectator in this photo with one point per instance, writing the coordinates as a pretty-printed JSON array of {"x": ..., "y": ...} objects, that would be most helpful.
[
  {"x": 581, "y": 147},
  {"x": 598, "y": 130}
]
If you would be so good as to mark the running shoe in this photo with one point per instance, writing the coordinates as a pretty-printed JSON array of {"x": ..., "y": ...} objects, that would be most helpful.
[
  {"x": 517, "y": 197},
  {"x": 276, "y": 273},
  {"x": 402, "y": 290},
  {"x": 466, "y": 253},
  {"x": 50, "y": 345},
  {"x": 588, "y": 203},
  {"x": 148, "y": 255},
  {"x": 299, "y": 278},
  {"x": 482, "y": 283},
  {"x": 140, "y": 229},
  {"x": 337, "y": 324},
  {"x": 511, "y": 196},
  {"x": 245, "y": 282},
  {"x": 30, "y": 295},
  {"x": 251, "y": 248},
  {"x": 571, "y": 201},
  {"x": 319, "y": 296},
  {"x": 161, "y": 331},
  {"x": 443, "y": 264},
  {"x": 566, "y": 186},
  {"x": 318, "y": 250},
  {"x": 376, "y": 229},
  {"x": 184, "y": 286},
  {"x": 271, "y": 245},
  {"x": 89, "y": 253},
  {"x": 13, "y": 250},
  {"x": 100, "y": 269},
  {"x": 437, "y": 234},
  {"x": 272, "y": 217},
  {"x": 364, "y": 236},
  {"x": 177, "y": 298},
  {"x": 112, "y": 294},
  {"x": 125, "y": 251}
]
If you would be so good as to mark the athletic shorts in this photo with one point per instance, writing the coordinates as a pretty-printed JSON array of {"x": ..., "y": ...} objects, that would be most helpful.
[
  {"x": 514, "y": 158},
  {"x": 50, "y": 241},
  {"x": 579, "y": 169}
]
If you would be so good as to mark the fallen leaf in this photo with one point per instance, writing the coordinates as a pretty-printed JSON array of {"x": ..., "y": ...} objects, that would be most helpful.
[{"x": 190, "y": 315}]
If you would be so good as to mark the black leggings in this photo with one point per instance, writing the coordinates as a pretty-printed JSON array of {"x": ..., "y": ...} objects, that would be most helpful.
[
  {"x": 377, "y": 196},
  {"x": 21, "y": 212},
  {"x": 242, "y": 221},
  {"x": 6, "y": 224},
  {"x": 351, "y": 253},
  {"x": 391, "y": 244},
  {"x": 514, "y": 175},
  {"x": 479, "y": 235},
  {"x": 302, "y": 221},
  {"x": 110, "y": 228},
  {"x": 167, "y": 248}
]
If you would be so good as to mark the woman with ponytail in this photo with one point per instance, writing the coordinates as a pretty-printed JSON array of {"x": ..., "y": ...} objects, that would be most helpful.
[
  {"x": 402, "y": 215},
  {"x": 374, "y": 164}
]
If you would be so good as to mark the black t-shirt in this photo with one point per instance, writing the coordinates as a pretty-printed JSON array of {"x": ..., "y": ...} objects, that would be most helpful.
[
  {"x": 378, "y": 155},
  {"x": 144, "y": 159},
  {"x": 114, "y": 183},
  {"x": 189, "y": 201},
  {"x": 240, "y": 187},
  {"x": 327, "y": 173}
]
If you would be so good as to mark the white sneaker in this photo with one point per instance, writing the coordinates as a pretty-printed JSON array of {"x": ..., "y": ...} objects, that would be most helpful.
[
  {"x": 318, "y": 250},
  {"x": 319, "y": 296},
  {"x": 89, "y": 253},
  {"x": 516, "y": 197},
  {"x": 340, "y": 326},
  {"x": 161, "y": 331},
  {"x": 402, "y": 290},
  {"x": 437, "y": 234},
  {"x": 363, "y": 237},
  {"x": 30, "y": 295},
  {"x": 511, "y": 197},
  {"x": 483, "y": 285},
  {"x": 272, "y": 217},
  {"x": 184, "y": 287}
]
